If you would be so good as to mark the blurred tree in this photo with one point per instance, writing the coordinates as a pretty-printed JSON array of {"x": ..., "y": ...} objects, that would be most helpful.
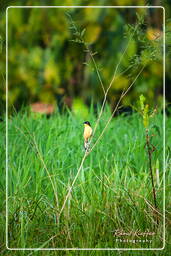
[{"x": 45, "y": 65}]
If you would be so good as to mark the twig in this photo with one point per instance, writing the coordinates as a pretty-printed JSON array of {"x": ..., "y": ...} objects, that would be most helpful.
[
  {"x": 149, "y": 151},
  {"x": 96, "y": 68},
  {"x": 151, "y": 206},
  {"x": 70, "y": 189},
  {"x": 103, "y": 104},
  {"x": 88, "y": 152},
  {"x": 112, "y": 81},
  {"x": 74, "y": 27},
  {"x": 87, "y": 49},
  {"x": 116, "y": 107}
]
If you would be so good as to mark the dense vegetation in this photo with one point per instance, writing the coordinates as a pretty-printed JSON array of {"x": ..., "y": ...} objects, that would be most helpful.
[
  {"x": 112, "y": 192},
  {"x": 45, "y": 65}
]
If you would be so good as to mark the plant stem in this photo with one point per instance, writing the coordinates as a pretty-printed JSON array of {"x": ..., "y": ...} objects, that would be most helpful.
[
  {"x": 116, "y": 108},
  {"x": 150, "y": 168},
  {"x": 70, "y": 189}
]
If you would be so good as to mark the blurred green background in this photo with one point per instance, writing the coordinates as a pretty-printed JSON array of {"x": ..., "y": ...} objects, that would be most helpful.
[{"x": 45, "y": 65}]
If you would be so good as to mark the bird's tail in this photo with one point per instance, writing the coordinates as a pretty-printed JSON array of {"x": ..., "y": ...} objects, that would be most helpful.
[{"x": 86, "y": 145}]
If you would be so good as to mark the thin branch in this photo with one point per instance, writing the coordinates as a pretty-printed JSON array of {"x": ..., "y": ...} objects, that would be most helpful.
[
  {"x": 149, "y": 151},
  {"x": 88, "y": 152},
  {"x": 87, "y": 48},
  {"x": 112, "y": 81},
  {"x": 103, "y": 104},
  {"x": 96, "y": 68},
  {"x": 125, "y": 70},
  {"x": 116, "y": 107},
  {"x": 102, "y": 108},
  {"x": 74, "y": 27},
  {"x": 70, "y": 189}
]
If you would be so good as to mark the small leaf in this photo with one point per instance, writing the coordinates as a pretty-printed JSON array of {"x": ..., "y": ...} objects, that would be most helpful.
[
  {"x": 76, "y": 33},
  {"x": 85, "y": 63},
  {"x": 142, "y": 100},
  {"x": 94, "y": 53},
  {"x": 146, "y": 116},
  {"x": 83, "y": 32}
]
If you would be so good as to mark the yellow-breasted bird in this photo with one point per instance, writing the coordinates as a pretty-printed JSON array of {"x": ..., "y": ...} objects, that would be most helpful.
[{"x": 87, "y": 134}]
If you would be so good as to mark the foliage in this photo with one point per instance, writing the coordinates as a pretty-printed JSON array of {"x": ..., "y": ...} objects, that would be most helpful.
[
  {"x": 144, "y": 111},
  {"x": 150, "y": 148},
  {"x": 43, "y": 59},
  {"x": 110, "y": 192}
]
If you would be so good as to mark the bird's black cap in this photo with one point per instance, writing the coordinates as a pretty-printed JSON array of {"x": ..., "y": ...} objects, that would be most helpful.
[{"x": 87, "y": 122}]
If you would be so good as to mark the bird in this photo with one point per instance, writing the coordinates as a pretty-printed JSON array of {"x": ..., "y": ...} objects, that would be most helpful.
[{"x": 87, "y": 134}]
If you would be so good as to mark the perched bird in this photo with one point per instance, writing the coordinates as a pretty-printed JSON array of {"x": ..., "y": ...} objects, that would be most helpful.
[{"x": 87, "y": 134}]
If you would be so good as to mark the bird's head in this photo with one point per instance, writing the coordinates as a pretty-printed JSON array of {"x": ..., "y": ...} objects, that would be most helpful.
[{"x": 87, "y": 123}]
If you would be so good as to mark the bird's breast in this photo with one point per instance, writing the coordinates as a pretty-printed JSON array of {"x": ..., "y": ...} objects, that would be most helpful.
[{"x": 87, "y": 132}]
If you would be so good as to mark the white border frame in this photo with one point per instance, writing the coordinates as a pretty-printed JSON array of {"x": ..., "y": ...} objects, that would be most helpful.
[{"x": 86, "y": 249}]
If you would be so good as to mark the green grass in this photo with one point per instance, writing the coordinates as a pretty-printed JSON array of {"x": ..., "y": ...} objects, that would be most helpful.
[{"x": 113, "y": 190}]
